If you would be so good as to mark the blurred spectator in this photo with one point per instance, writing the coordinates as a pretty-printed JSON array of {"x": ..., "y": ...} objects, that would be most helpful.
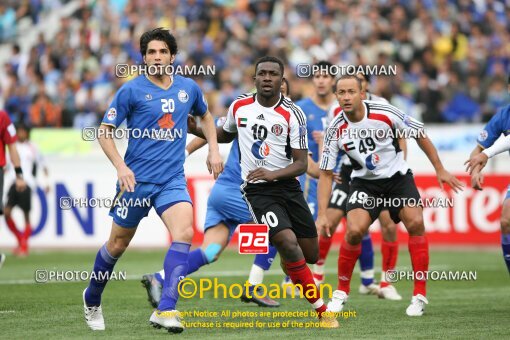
[
  {"x": 44, "y": 113},
  {"x": 451, "y": 55}
]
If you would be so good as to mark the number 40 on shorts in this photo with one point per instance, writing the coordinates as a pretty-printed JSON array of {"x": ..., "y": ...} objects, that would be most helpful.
[{"x": 253, "y": 239}]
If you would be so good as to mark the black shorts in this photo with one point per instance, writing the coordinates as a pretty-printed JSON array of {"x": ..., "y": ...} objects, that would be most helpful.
[
  {"x": 280, "y": 205},
  {"x": 395, "y": 191},
  {"x": 338, "y": 199},
  {"x": 22, "y": 199}
]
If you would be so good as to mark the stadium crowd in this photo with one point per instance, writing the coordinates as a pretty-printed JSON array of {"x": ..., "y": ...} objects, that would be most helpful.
[{"x": 452, "y": 56}]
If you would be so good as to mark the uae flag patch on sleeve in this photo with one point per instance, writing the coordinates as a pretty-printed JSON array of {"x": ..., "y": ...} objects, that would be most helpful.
[{"x": 241, "y": 122}]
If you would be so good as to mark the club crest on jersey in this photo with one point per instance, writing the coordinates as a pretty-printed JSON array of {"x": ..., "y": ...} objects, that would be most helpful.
[
  {"x": 277, "y": 129},
  {"x": 148, "y": 96},
  {"x": 260, "y": 151},
  {"x": 483, "y": 136},
  {"x": 112, "y": 114},
  {"x": 372, "y": 161},
  {"x": 183, "y": 96}
]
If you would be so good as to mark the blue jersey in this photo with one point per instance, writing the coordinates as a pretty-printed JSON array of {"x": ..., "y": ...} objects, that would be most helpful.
[
  {"x": 231, "y": 174},
  {"x": 157, "y": 121},
  {"x": 316, "y": 120},
  {"x": 499, "y": 124}
]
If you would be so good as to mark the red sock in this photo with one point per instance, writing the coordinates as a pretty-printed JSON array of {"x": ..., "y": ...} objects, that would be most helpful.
[
  {"x": 12, "y": 227},
  {"x": 300, "y": 274},
  {"x": 419, "y": 250},
  {"x": 389, "y": 252},
  {"x": 346, "y": 261},
  {"x": 28, "y": 230},
  {"x": 324, "y": 246},
  {"x": 25, "y": 236}
]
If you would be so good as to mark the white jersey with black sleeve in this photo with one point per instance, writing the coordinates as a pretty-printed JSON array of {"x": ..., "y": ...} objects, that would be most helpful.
[
  {"x": 266, "y": 135},
  {"x": 371, "y": 144}
]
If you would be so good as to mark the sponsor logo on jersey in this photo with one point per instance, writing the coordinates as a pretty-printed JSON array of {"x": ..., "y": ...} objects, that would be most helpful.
[
  {"x": 112, "y": 114},
  {"x": 277, "y": 129},
  {"x": 483, "y": 136},
  {"x": 260, "y": 149},
  {"x": 166, "y": 122},
  {"x": 372, "y": 160},
  {"x": 183, "y": 96},
  {"x": 241, "y": 122},
  {"x": 261, "y": 117},
  {"x": 326, "y": 150},
  {"x": 148, "y": 96}
]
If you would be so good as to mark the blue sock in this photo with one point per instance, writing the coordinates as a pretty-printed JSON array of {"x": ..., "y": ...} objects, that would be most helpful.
[
  {"x": 176, "y": 267},
  {"x": 265, "y": 261},
  {"x": 505, "y": 244},
  {"x": 104, "y": 264},
  {"x": 196, "y": 260},
  {"x": 158, "y": 277},
  {"x": 366, "y": 261}
]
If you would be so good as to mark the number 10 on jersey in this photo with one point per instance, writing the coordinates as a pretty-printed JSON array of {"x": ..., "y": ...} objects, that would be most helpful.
[{"x": 253, "y": 239}]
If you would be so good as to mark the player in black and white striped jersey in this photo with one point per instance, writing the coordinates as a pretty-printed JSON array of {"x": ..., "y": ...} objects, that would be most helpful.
[{"x": 273, "y": 146}]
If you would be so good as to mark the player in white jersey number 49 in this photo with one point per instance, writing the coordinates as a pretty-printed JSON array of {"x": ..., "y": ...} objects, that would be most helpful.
[{"x": 379, "y": 171}]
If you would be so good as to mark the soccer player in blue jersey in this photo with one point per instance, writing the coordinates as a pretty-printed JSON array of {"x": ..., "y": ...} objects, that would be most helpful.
[
  {"x": 226, "y": 209},
  {"x": 488, "y": 146},
  {"x": 157, "y": 105}
]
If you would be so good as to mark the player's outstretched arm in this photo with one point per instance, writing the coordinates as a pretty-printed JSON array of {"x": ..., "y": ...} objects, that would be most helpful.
[
  {"x": 124, "y": 174},
  {"x": 222, "y": 136},
  {"x": 323, "y": 195},
  {"x": 480, "y": 160},
  {"x": 214, "y": 161},
  {"x": 296, "y": 168},
  {"x": 476, "y": 174},
  {"x": 313, "y": 168},
  {"x": 195, "y": 144},
  {"x": 443, "y": 176}
]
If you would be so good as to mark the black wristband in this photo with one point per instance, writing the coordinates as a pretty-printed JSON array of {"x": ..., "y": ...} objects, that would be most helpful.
[{"x": 18, "y": 171}]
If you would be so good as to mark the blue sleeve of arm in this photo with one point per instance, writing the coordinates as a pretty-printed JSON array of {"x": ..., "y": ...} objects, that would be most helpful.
[
  {"x": 199, "y": 107},
  {"x": 119, "y": 108},
  {"x": 492, "y": 130}
]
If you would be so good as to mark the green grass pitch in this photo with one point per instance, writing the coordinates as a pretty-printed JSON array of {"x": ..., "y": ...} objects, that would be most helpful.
[{"x": 457, "y": 309}]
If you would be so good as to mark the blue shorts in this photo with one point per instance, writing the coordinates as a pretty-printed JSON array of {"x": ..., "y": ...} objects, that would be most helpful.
[
  {"x": 507, "y": 193},
  {"x": 159, "y": 196},
  {"x": 226, "y": 205}
]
